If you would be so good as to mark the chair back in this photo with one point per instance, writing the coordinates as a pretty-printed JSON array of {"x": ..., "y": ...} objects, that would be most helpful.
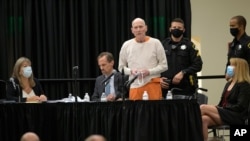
[
  {"x": 3, "y": 87},
  {"x": 248, "y": 115},
  {"x": 177, "y": 94},
  {"x": 202, "y": 98}
]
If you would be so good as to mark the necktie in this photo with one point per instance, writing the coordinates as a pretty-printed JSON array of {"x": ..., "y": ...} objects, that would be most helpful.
[{"x": 107, "y": 88}]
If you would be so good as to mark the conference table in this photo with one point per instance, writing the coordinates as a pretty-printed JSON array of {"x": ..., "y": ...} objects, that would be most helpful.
[{"x": 156, "y": 120}]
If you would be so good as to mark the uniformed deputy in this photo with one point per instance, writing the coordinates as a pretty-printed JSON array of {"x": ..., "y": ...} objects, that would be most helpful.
[
  {"x": 240, "y": 46},
  {"x": 184, "y": 61}
]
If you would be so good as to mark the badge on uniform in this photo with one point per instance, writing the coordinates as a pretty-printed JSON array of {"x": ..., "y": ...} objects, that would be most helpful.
[
  {"x": 239, "y": 47},
  {"x": 183, "y": 47},
  {"x": 248, "y": 45}
]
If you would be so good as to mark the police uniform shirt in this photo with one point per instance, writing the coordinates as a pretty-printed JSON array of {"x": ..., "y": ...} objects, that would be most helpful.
[
  {"x": 240, "y": 48},
  {"x": 181, "y": 56}
]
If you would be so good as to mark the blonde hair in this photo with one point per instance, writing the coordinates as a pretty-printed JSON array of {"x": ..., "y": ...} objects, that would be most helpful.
[
  {"x": 241, "y": 70},
  {"x": 17, "y": 68}
]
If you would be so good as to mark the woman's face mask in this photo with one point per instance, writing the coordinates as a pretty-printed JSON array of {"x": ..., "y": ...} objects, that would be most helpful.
[
  {"x": 27, "y": 71},
  {"x": 230, "y": 71}
]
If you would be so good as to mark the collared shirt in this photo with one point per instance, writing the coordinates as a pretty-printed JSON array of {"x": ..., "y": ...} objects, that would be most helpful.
[
  {"x": 109, "y": 86},
  {"x": 112, "y": 87}
]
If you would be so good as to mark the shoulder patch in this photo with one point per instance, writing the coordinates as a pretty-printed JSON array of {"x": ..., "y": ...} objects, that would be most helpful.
[
  {"x": 193, "y": 45},
  {"x": 248, "y": 45}
]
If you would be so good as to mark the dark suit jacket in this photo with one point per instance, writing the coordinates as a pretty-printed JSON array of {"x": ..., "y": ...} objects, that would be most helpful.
[
  {"x": 118, "y": 84},
  {"x": 238, "y": 99}
]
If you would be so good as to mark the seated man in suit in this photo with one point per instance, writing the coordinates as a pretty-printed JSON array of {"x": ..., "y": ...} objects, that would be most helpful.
[{"x": 111, "y": 86}]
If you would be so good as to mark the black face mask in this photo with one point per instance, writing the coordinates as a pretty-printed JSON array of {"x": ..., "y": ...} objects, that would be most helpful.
[
  {"x": 234, "y": 31},
  {"x": 176, "y": 32}
]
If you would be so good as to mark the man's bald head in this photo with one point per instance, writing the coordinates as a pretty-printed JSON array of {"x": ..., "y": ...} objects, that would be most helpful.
[
  {"x": 30, "y": 136},
  {"x": 95, "y": 138},
  {"x": 138, "y": 20}
]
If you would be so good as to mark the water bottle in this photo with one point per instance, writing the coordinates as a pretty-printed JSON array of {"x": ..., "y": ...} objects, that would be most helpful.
[
  {"x": 103, "y": 97},
  {"x": 70, "y": 97},
  {"x": 145, "y": 95},
  {"x": 169, "y": 95},
  {"x": 86, "y": 97}
]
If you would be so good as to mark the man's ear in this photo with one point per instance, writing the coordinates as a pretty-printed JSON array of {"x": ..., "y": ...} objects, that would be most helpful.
[
  {"x": 146, "y": 28},
  {"x": 242, "y": 28},
  {"x": 132, "y": 30}
]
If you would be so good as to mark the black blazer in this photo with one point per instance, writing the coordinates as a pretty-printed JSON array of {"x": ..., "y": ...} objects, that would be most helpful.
[
  {"x": 118, "y": 84},
  {"x": 12, "y": 93},
  {"x": 238, "y": 99}
]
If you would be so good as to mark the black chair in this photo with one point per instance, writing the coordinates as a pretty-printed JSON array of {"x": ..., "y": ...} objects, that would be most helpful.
[
  {"x": 177, "y": 94},
  {"x": 201, "y": 98},
  {"x": 216, "y": 131},
  {"x": 3, "y": 87}
]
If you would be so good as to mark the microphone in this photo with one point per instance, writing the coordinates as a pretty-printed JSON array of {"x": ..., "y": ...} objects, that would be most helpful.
[
  {"x": 13, "y": 82},
  {"x": 122, "y": 72},
  {"x": 107, "y": 78},
  {"x": 75, "y": 68},
  {"x": 129, "y": 82}
]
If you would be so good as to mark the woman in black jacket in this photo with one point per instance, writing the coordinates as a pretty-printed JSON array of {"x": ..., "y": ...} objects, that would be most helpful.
[
  {"x": 23, "y": 87},
  {"x": 233, "y": 106}
]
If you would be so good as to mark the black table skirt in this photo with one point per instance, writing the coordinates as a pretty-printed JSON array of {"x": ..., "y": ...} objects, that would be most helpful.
[{"x": 174, "y": 120}]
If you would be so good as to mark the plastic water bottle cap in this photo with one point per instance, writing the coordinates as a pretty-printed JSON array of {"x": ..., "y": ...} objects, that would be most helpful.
[{"x": 145, "y": 95}]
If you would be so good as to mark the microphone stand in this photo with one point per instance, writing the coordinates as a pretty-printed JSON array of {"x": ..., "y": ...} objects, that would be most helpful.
[
  {"x": 76, "y": 88},
  {"x": 104, "y": 88},
  {"x": 123, "y": 86},
  {"x": 19, "y": 93},
  {"x": 74, "y": 108},
  {"x": 123, "y": 105}
]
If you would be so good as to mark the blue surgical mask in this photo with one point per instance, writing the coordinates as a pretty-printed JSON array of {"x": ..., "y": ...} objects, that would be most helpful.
[
  {"x": 230, "y": 71},
  {"x": 27, "y": 71}
]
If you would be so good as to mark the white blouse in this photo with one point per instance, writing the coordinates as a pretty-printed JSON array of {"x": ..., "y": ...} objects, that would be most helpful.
[{"x": 27, "y": 95}]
